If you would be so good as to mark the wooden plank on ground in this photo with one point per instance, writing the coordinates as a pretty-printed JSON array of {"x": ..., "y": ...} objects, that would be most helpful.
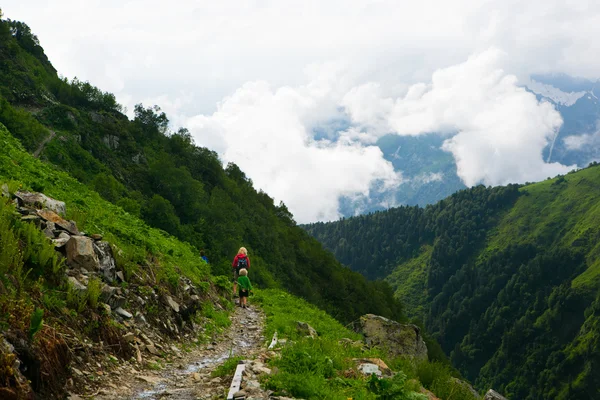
[
  {"x": 274, "y": 341},
  {"x": 236, "y": 382}
]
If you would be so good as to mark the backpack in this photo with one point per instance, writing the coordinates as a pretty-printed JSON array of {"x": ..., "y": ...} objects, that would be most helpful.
[{"x": 242, "y": 262}]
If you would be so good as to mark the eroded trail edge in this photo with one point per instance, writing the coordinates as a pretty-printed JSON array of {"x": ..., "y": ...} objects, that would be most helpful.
[{"x": 189, "y": 376}]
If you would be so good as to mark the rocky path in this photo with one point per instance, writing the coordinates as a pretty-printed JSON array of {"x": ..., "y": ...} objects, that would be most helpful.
[{"x": 189, "y": 376}]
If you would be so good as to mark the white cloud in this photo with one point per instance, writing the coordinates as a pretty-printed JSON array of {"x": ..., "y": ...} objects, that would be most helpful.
[
  {"x": 428, "y": 178},
  {"x": 498, "y": 129},
  {"x": 267, "y": 132},
  {"x": 252, "y": 80}
]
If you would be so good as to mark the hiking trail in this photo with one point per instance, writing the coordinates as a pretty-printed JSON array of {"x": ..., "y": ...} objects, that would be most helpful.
[{"x": 188, "y": 377}]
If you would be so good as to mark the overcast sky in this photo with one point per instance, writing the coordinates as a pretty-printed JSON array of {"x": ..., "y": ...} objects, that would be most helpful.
[{"x": 254, "y": 80}]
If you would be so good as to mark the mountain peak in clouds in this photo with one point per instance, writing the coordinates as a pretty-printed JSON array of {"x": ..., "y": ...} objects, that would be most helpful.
[{"x": 565, "y": 82}]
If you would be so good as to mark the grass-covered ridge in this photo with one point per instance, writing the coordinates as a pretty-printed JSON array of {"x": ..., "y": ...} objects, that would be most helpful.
[
  {"x": 323, "y": 368},
  {"x": 505, "y": 278},
  {"x": 95, "y": 215}
]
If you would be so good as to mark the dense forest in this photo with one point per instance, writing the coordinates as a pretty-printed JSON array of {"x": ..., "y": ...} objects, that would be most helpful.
[
  {"x": 159, "y": 175},
  {"x": 506, "y": 279}
]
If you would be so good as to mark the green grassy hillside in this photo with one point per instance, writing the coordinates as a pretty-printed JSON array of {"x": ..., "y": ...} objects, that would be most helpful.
[
  {"x": 323, "y": 367},
  {"x": 507, "y": 279},
  {"x": 153, "y": 172}
]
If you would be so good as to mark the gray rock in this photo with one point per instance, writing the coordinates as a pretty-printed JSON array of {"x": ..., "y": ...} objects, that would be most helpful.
[
  {"x": 111, "y": 141},
  {"x": 40, "y": 200},
  {"x": 123, "y": 313},
  {"x": 49, "y": 230},
  {"x": 152, "y": 349},
  {"x": 140, "y": 319},
  {"x": 76, "y": 284},
  {"x": 398, "y": 339},
  {"x": 5, "y": 191},
  {"x": 80, "y": 253},
  {"x": 69, "y": 226},
  {"x": 107, "y": 293},
  {"x": 106, "y": 261},
  {"x": 306, "y": 329},
  {"x": 168, "y": 300},
  {"x": 493, "y": 395},
  {"x": 117, "y": 301},
  {"x": 129, "y": 337},
  {"x": 370, "y": 369}
]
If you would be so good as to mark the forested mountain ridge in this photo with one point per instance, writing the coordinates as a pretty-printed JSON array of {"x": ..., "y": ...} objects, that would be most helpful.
[
  {"x": 162, "y": 177},
  {"x": 506, "y": 278}
]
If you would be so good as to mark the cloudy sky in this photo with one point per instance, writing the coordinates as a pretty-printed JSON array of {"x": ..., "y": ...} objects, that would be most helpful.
[{"x": 297, "y": 92}]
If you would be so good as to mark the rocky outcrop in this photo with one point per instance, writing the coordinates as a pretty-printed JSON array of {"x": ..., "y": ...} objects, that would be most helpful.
[
  {"x": 493, "y": 395},
  {"x": 39, "y": 201},
  {"x": 396, "y": 338}
]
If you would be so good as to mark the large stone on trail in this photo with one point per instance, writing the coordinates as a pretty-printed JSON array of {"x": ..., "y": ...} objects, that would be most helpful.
[
  {"x": 493, "y": 395},
  {"x": 106, "y": 261},
  {"x": 396, "y": 338},
  {"x": 306, "y": 330},
  {"x": 51, "y": 216},
  {"x": 40, "y": 200},
  {"x": 81, "y": 253}
]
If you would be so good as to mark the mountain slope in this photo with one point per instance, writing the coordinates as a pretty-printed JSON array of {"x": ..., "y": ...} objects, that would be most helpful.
[
  {"x": 506, "y": 278},
  {"x": 160, "y": 176}
]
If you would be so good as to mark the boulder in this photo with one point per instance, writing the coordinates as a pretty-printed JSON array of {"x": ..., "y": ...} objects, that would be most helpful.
[
  {"x": 493, "y": 395},
  {"x": 80, "y": 253},
  {"x": 306, "y": 330},
  {"x": 396, "y": 338},
  {"x": 40, "y": 200},
  {"x": 51, "y": 216},
  {"x": 377, "y": 362}
]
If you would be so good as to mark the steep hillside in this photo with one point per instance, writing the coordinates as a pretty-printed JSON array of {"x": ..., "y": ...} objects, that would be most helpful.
[
  {"x": 506, "y": 278},
  {"x": 160, "y": 176}
]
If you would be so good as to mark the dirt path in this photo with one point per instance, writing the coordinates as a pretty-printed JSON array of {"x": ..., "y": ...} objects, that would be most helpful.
[
  {"x": 40, "y": 148},
  {"x": 188, "y": 377}
]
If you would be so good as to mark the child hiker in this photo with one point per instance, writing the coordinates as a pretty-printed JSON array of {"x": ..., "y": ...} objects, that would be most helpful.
[
  {"x": 245, "y": 287},
  {"x": 241, "y": 261}
]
